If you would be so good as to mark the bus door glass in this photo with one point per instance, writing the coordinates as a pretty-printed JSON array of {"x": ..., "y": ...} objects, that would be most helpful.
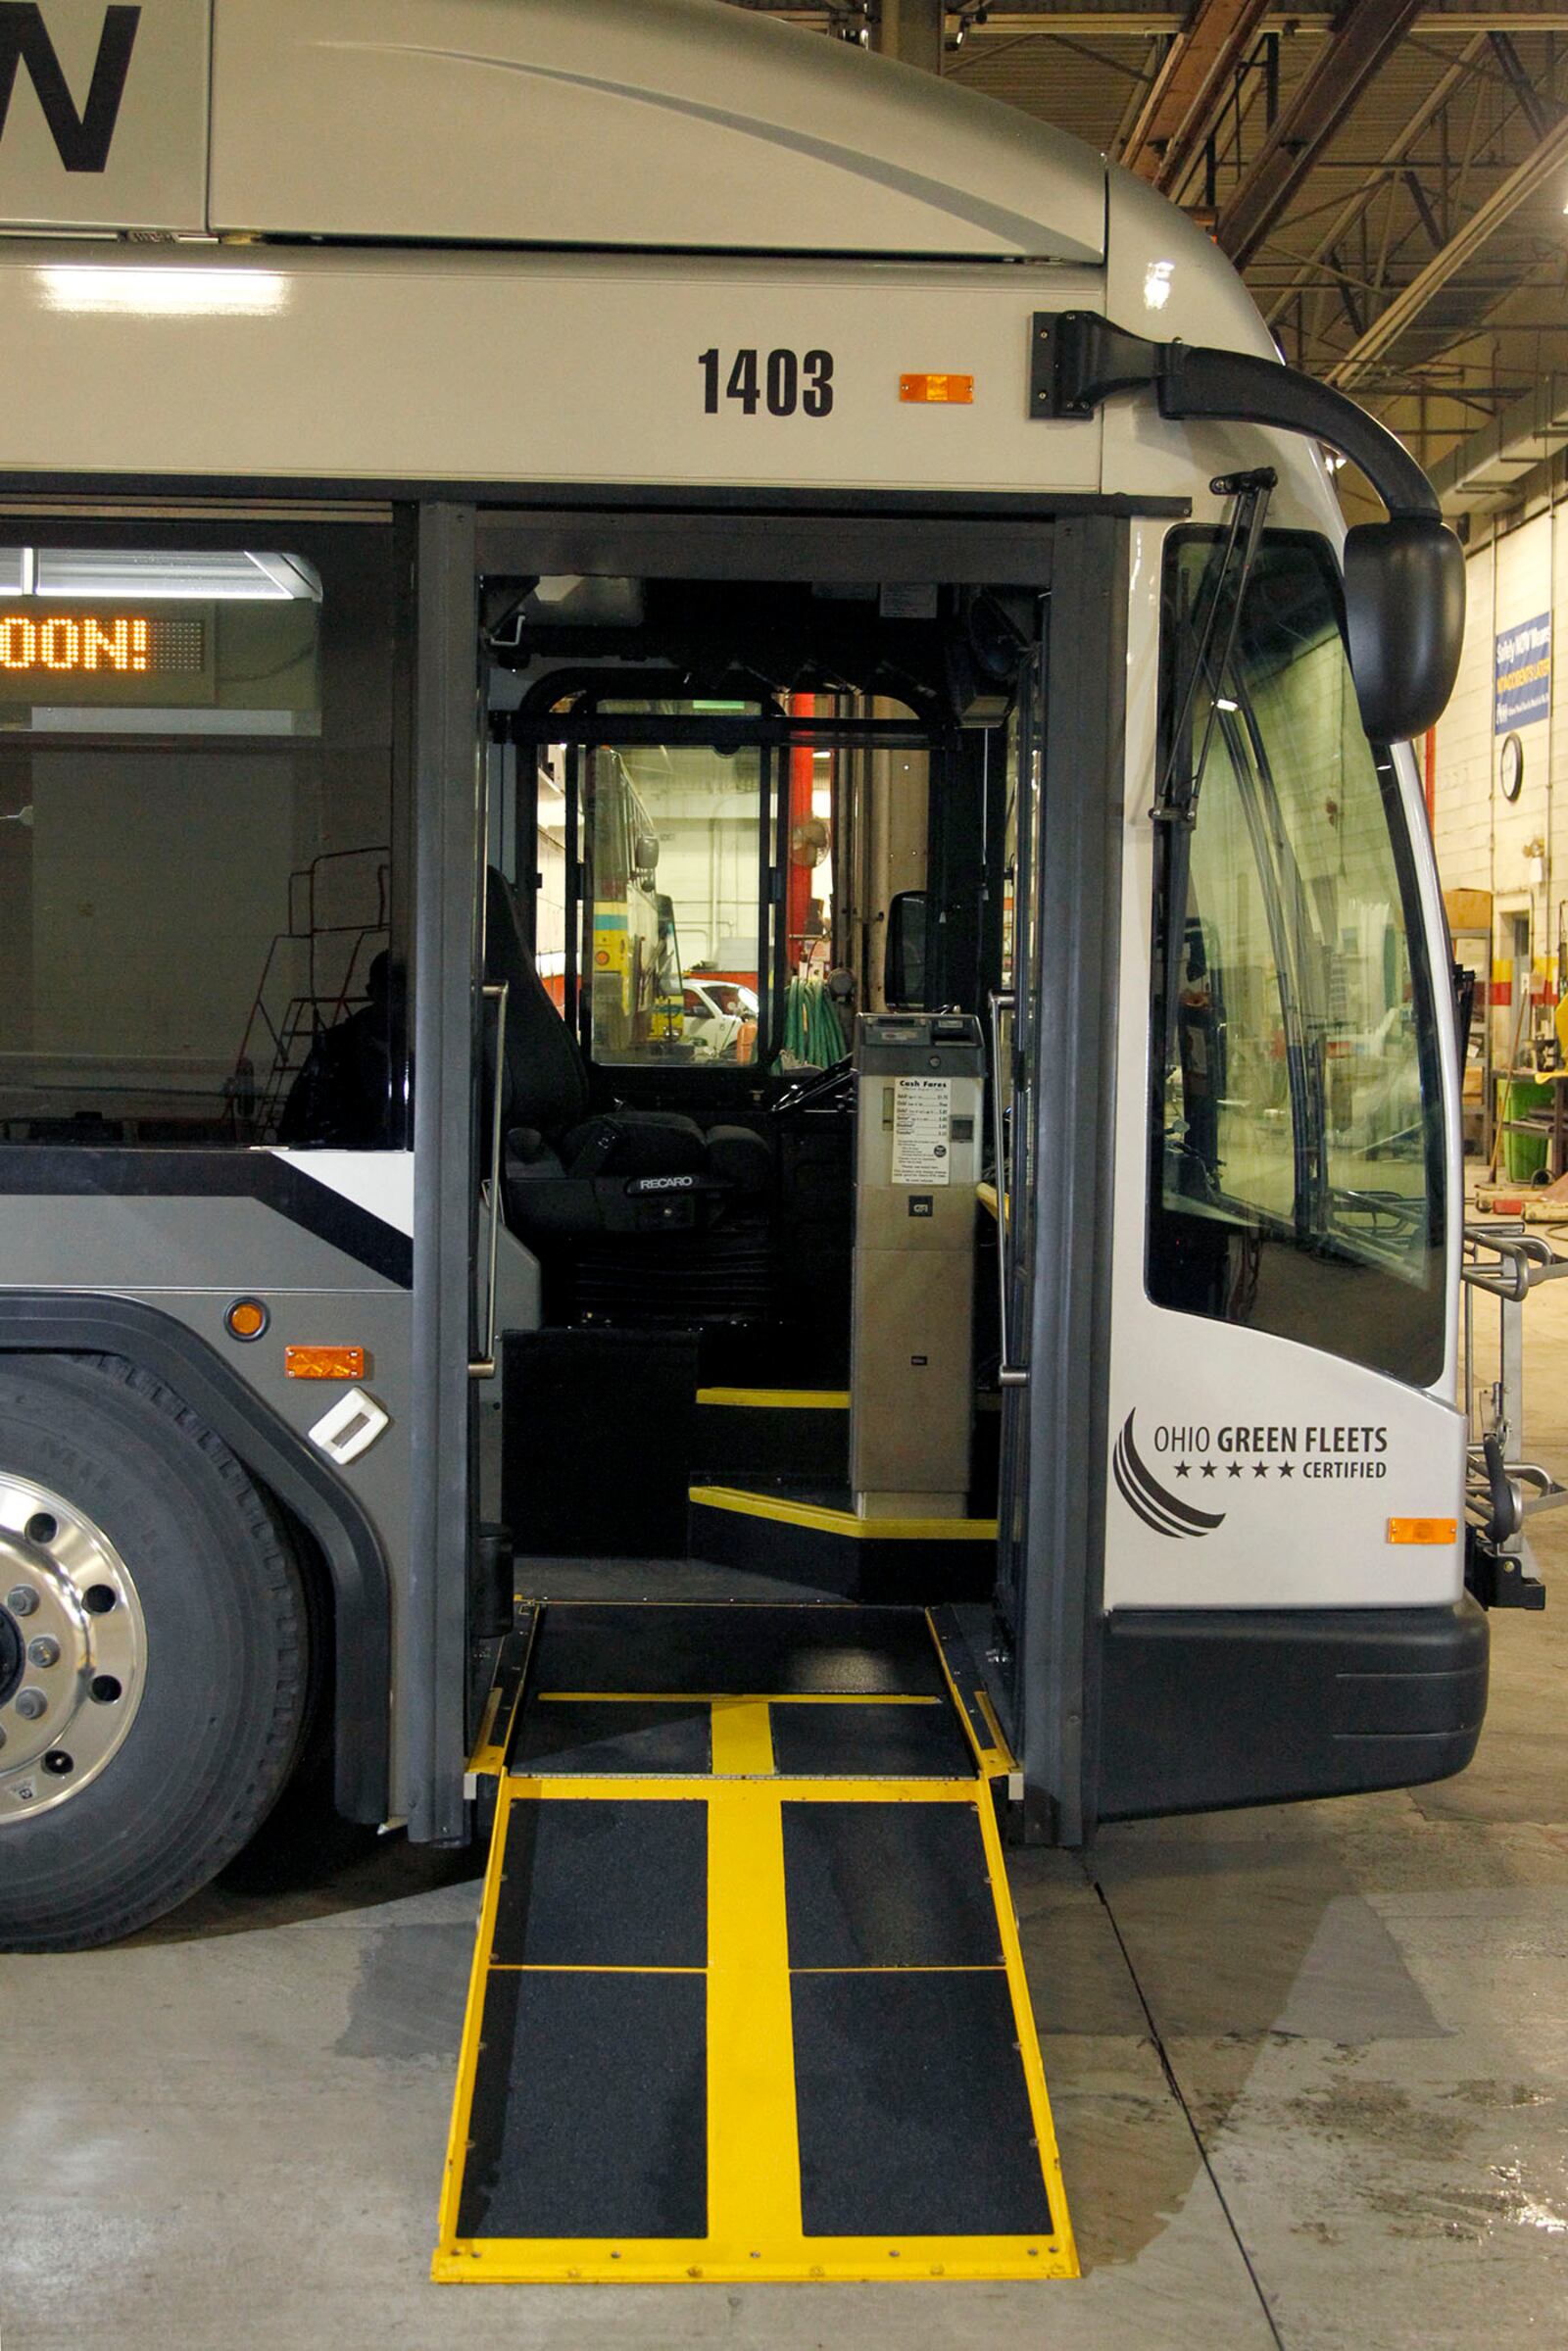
[{"x": 1298, "y": 1181}]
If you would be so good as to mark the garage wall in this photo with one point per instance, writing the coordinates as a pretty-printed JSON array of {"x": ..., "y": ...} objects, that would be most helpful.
[{"x": 1518, "y": 852}]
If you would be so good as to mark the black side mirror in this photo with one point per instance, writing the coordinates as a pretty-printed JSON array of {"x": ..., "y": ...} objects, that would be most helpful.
[
  {"x": 1404, "y": 607},
  {"x": 904, "y": 964}
]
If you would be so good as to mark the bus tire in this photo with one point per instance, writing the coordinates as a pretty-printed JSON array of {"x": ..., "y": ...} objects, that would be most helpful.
[{"x": 143, "y": 1753}]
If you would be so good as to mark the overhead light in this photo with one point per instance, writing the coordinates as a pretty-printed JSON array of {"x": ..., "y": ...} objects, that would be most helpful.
[
  {"x": 109, "y": 575},
  {"x": 145, "y": 291},
  {"x": 1221, "y": 703}
]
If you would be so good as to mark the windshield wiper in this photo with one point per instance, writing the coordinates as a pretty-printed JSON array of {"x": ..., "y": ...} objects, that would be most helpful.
[{"x": 1176, "y": 800}]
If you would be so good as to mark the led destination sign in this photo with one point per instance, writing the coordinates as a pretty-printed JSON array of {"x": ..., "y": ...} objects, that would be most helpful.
[
  {"x": 107, "y": 656},
  {"x": 43, "y": 648}
]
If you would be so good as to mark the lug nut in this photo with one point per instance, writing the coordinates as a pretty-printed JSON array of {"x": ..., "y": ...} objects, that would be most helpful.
[
  {"x": 30, "y": 1704},
  {"x": 45, "y": 1650},
  {"x": 21, "y": 1600}
]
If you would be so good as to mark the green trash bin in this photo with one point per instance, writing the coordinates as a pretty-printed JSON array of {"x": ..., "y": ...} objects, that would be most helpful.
[{"x": 1524, "y": 1156}]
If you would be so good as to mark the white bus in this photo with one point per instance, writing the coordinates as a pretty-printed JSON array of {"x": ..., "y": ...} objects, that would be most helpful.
[{"x": 410, "y": 400}]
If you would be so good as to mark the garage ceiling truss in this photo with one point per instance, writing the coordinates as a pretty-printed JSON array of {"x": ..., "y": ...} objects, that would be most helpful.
[{"x": 1390, "y": 177}]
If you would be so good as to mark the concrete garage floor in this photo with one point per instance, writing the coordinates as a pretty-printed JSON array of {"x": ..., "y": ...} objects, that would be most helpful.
[{"x": 1309, "y": 2070}]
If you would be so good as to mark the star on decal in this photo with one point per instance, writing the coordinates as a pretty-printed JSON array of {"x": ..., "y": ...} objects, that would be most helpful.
[
  {"x": 1260, "y": 1469},
  {"x": 1285, "y": 1471},
  {"x": 1209, "y": 1469},
  {"x": 1234, "y": 1470},
  {"x": 1181, "y": 1469}
]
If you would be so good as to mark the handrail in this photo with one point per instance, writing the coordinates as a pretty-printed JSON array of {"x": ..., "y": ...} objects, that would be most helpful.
[
  {"x": 484, "y": 1368},
  {"x": 1004, "y": 1004}
]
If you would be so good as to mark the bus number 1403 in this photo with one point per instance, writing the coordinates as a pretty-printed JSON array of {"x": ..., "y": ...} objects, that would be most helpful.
[{"x": 782, "y": 382}]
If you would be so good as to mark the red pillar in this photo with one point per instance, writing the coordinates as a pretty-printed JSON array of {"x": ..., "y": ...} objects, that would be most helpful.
[{"x": 803, "y": 774}]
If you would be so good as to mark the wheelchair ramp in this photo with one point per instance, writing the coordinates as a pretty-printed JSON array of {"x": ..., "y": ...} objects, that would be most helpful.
[{"x": 747, "y": 1997}]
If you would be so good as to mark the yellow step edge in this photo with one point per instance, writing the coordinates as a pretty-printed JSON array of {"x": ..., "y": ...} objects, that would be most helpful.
[
  {"x": 777, "y": 1399},
  {"x": 824, "y": 1521}
]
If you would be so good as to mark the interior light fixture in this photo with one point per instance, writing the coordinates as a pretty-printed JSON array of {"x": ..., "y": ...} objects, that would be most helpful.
[{"x": 142, "y": 291}]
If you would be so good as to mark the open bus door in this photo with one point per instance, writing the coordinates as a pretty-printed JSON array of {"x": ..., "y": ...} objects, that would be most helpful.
[{"x": 1053, "y": 1048}]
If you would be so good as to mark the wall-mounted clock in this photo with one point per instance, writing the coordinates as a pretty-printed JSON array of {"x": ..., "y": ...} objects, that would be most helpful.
[{"x": 1511, "y": 767}]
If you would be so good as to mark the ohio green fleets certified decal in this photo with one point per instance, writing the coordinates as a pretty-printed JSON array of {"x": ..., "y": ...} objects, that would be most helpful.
[{"x": 1192, "y": 1464}]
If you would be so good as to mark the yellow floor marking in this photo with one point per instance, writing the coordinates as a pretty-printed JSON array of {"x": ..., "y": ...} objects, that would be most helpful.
[
  {"x": 743, "y": 1739},
  {"x": 753, "y": 2163},
  {"x": 724, "y": 1698},
  {"x": 573, "y": 1967}
]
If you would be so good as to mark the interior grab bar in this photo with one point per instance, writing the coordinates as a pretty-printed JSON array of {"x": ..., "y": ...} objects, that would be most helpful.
[
  {"x": 1004, "y": 1006},
  {"x": 497, "y": 991}
]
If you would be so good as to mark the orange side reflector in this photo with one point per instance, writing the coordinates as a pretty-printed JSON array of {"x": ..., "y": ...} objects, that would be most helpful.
[
  {"x": 324, "y": 1362},
  {"x": 1423, "y": 1530},
  {"x": 958, "y": 391}
]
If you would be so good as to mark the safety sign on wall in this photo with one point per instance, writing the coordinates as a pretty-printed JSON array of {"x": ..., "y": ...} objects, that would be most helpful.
[
  {"x": 922, "y": 1131},
  {"x": 1522, "y": 691}
]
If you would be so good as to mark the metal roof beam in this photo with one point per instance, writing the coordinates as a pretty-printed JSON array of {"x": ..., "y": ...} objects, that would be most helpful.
[
  {"x": 1186, "y": 93},
  {"x": 1546, "y": 159},
  {"x": 1359, "y": 46},
  {"x": 1142, "y": 24}
]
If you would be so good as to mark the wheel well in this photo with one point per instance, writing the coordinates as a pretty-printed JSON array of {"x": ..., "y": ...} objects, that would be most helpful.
[{"x": 340, "y": 1554}]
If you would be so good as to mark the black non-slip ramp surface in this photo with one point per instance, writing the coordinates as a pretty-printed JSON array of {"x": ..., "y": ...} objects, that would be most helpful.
[
  {"x": 737, "y": 1649},
  {"x": 913, "y": 2111},
  {"x": 888, "y": 1884},
  {"x": 615, "y": 1735},
  {"x": 609, "y": 1885},
  {"x": 590, "y": 2113},
  {"x": 747, "y": 1998}
]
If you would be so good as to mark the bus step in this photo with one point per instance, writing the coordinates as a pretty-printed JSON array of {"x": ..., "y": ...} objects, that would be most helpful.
[
  {"x": 808, "y": 1533},
  {"x": 747, "y": 1998},
  {"x": 771, "y": 1432}
]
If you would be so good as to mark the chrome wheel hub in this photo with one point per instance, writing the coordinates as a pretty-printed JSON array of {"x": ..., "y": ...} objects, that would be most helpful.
[{"x": 73, "y": 1649}]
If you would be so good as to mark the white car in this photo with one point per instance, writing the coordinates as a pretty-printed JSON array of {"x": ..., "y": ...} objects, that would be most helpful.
[{"x": 715, "y": 1014}]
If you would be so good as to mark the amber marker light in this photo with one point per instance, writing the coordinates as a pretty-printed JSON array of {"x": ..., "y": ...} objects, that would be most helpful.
[
  {"x": 246, "y": 1318},
  {"x": 951, "y": 391},
  {"x": 324, "y": 1362},
  {"x": 1423, "y": 1530}
]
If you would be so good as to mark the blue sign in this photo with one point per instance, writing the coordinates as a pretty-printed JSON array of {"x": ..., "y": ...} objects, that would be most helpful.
[{"x": 1522, "y": 691}]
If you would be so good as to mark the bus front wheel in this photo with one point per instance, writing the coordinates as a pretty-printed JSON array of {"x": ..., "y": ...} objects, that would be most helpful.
[{"x": 154, "y": 1652}]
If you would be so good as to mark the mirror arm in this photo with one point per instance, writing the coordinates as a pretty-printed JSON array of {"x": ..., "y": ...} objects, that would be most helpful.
[{"x": 1079, "y": 358}]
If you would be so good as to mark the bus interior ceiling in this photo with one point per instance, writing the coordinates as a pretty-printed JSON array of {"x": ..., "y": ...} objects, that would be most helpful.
[{"x": 725, "y": 817}]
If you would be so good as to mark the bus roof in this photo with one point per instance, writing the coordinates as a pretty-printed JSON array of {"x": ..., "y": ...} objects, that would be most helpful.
[{"x": 632, "y": 125}]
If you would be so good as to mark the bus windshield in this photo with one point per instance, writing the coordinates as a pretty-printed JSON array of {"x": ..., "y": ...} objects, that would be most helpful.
[{"x": 1297, "y": 1121}]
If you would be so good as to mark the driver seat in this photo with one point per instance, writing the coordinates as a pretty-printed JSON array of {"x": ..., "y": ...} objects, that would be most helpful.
[{"x": 571, "y": 1169}]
